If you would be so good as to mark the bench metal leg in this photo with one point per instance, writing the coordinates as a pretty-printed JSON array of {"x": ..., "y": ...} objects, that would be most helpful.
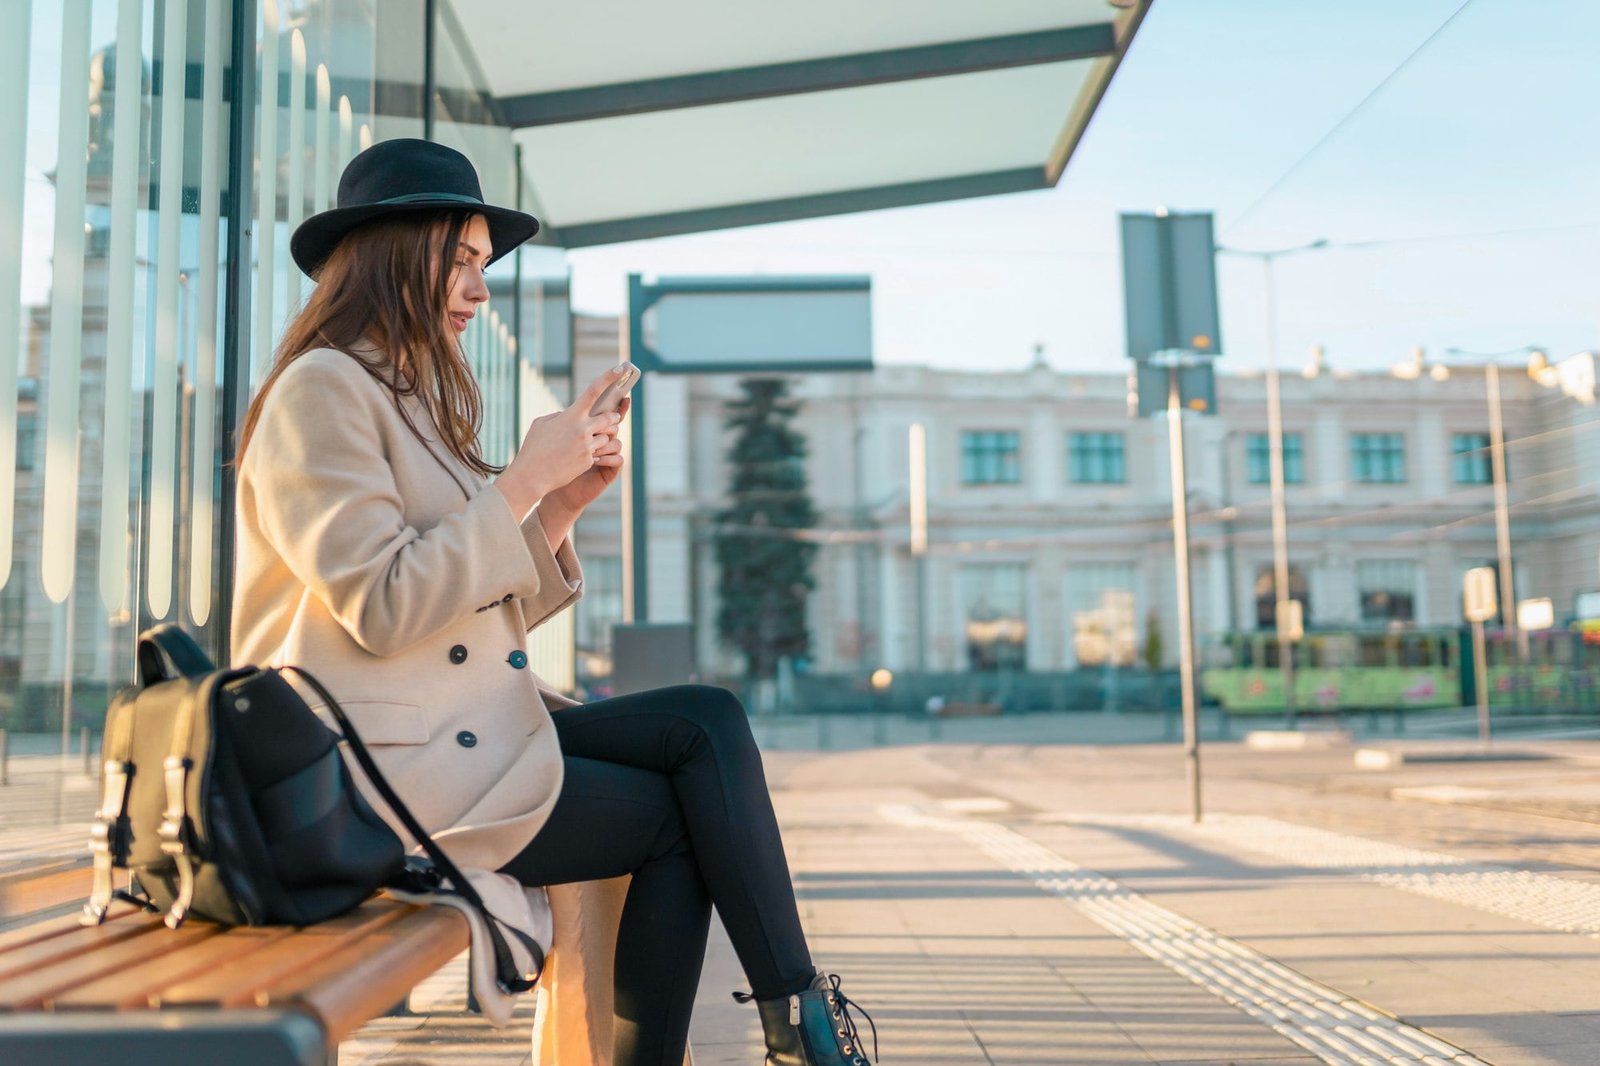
[{"x": 164, "y": 1038}]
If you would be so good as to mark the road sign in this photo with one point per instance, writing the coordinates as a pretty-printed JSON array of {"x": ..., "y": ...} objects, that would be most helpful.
[
  {"x": 1477, "y": 594},
  {"x": 1170, "y": 295},
  {"x": 1169, "y": 281}
]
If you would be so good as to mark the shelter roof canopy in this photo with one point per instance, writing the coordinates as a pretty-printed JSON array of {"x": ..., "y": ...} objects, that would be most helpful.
[{"x": 688, "y": 117}]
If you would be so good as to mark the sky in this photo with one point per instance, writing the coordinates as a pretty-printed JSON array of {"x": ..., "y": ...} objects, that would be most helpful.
[{"x": 1460, "y": 202}]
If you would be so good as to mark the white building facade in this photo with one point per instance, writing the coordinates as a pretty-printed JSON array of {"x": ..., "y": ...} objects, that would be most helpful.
[{"x": 1049, "y": 511}]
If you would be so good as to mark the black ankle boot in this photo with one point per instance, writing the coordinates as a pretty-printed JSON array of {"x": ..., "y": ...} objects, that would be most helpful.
[{"x": 812, "y": 1028}]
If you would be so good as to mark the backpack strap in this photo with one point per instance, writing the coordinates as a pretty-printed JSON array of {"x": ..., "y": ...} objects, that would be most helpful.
[
  {"x": 108, "y": 837},
  {"x": 507, "y": 975},
  {"x": 175, "y": 831},
  {"x": 166, "y": 651}
]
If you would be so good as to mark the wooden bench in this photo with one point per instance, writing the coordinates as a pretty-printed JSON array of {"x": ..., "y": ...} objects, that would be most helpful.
[
  {"x": 136, "y": 993},
  {"x": 42, "y": 887}
]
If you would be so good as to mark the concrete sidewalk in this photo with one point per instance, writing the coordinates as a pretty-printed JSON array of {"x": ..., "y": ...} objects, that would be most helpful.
[{"x": 1005, "y": 902}]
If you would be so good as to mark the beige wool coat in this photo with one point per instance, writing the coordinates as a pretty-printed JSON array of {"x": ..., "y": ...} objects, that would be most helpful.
[{"x": 404, "y": 582}]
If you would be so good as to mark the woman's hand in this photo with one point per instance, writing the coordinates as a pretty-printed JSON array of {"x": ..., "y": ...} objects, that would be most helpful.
[
  {"x": 560, "y": 510},
  {"x": 562, "y": 447}
]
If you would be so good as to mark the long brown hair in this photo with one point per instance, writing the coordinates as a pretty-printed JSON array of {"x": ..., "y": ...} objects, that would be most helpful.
[{"x": 387, "y": 283}]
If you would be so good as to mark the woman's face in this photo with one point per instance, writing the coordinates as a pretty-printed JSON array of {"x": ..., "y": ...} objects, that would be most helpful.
[{"x": 467, "y": 287}]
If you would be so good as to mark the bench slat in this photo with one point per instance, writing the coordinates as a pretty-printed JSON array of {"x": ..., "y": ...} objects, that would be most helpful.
[
  {"x": 143, "y": 984},
  {"x": 56, "y": 938},
  {"x": 115, "y": 948},
  {"x": 280, "y": 959},
  {"x": 43, "y": 889},
  {"x": 351, "y": 987}
]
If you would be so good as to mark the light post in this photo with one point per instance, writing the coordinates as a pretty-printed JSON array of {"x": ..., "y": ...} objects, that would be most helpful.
[
  {"x": 918, "y": 448},
  {"x": 1285, "y": 618},
  {"x": 1497, "y": 467}
]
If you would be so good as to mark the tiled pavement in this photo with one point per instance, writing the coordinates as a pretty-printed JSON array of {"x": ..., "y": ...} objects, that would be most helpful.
[{"x": 1016, "y": 903}]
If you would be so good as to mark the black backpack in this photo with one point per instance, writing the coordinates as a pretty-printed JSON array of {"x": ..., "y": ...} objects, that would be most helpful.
[{"x": 227, "y": 798}]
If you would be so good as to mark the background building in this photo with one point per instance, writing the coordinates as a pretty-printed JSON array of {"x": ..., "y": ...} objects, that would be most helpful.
[{"x": 1049, "y": 510}]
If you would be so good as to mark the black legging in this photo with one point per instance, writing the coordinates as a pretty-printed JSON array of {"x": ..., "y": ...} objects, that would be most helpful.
[{"x": 667, "y": 785}]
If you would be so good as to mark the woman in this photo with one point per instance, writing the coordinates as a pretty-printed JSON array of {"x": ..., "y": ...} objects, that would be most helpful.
[{"x": 374, "y": 551}]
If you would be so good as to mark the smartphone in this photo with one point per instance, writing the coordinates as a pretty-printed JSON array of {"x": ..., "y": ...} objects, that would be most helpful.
[{"x": 615, "y": 392}]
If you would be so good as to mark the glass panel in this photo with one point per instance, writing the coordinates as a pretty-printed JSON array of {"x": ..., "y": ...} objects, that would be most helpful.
[
  {"x": 1258, "y": 459},
  {"x": 1378, "y": 458},
  {"x": 164, "y": 397},
  {"x": 464, "y": 120},
  {"x": 70, "y": 168},
  {"x": 123, "y": 98},
  {"x": 203, "y": 283},
  {"x": 1471, "y": 463},
  {"x": 1102, "y": 614},
  {"x": 990, "y": 457},
  {"x": 1266, "y": 596},
  {"x": 993, "y": 599},
  {"x": 1387, "y": 589},
  {"x": 267, "y": 320},
  {"x": 1095, "y": 458},
  {"x": 114, "y": 384},
  {"x": 16, "y": 448}
]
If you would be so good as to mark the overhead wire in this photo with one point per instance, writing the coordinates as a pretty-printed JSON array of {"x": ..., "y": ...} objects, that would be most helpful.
[{"x": 1333, "y": 131}]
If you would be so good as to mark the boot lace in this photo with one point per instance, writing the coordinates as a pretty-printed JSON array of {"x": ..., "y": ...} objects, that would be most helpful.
[{"x": 847, "y": 1023}]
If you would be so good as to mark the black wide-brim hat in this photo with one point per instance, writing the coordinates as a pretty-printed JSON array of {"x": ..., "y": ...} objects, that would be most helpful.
[{"x": 405, "y": 176}]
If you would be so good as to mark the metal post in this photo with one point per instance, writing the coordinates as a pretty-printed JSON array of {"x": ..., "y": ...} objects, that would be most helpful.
[
  {"x": 1480, "y": 674},
  {"x": 635, "y": 501},
  {"x": 1180, "y": 555},
  {"x": 235, "y": 370},
  {"x": 430, "y": 44},
  {"x": 1280, "y": 528},
  {"x": 5, "y": 758},
  {"x": 917, "y": 448},
  {"x": 69, "y": 668},
  {"x": 1502, "y": 513}
]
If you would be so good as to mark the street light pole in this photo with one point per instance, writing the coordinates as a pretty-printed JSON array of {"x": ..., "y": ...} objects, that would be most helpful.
[
  {"x": 918, "y": 447},
  {"x": 1497, "y": 468},
  {"x": 1280, "y": 521},
  {"x": 1180, "y": 555},
  {"x": 1502, "y": 509},
  {"x": 1282, "y": 594}
]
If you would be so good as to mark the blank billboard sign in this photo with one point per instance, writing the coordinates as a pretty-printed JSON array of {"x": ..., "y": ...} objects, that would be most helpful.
[{"x": 751, "y": 325}]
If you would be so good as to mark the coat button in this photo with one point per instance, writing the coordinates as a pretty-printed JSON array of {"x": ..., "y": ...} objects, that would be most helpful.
[
  {"x": 467, "y": 739},
  {"x": 517, "y": 659},
  {"x": 458, "y": 654}
]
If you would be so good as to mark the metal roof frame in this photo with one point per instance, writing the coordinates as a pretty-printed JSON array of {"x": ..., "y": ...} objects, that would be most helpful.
[
  {"x": 808, "y": 75},
  {"x": 1101, "y": 44}
]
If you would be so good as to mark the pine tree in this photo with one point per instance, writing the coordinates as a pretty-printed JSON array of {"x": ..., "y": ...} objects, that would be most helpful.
[{"x": 764, "y": 567}]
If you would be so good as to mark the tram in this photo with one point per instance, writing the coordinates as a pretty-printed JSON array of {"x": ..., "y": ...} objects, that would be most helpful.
[{"x": 1404, "y": 669}]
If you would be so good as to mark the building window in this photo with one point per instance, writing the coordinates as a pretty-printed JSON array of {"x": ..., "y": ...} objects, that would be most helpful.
[
  {"x": 1102, "y": 615},
  {"x": 1471, "y": 458},
  {"x": 1095, "y": 458},
  {"x": 1258, "y": 459},
  {"x": 1267, "y": 597},
  {"x": 1378, "y": 458},
  {"x": 1388, "y": 590},
  {"x": 994, "y": 605},
  {"x": 991, "y": 457}
]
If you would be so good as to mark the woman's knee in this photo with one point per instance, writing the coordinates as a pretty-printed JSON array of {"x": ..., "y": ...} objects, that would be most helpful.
[{"x": 716, "y": 711}]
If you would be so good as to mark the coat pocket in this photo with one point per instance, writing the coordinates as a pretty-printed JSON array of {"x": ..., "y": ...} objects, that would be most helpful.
[{"x": 383, "y": 721}]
